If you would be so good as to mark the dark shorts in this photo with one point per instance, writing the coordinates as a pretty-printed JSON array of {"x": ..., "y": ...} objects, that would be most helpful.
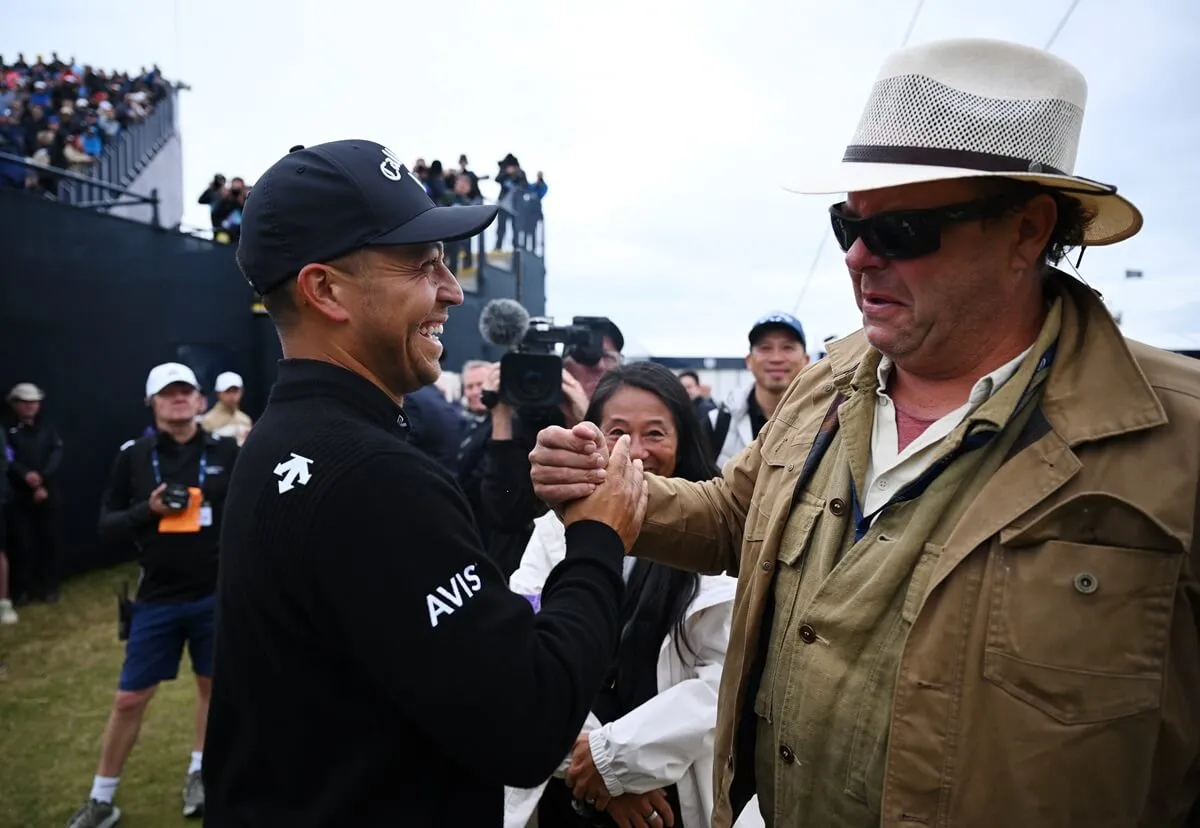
[{"x": 157, "y": 634}]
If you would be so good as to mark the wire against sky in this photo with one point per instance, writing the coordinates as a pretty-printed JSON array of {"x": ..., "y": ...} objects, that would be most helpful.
[
  {"x": 1061, "y": 24},
  {"x": 812, "y": 270},
  {"x": 912, "y": 24}
]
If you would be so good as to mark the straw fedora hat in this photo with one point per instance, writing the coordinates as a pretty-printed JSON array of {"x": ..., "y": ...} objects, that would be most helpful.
[{"x": 974, "y": 107}]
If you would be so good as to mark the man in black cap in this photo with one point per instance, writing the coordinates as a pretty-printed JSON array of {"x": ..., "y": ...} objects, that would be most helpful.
[{"x": 372, "y": 666}]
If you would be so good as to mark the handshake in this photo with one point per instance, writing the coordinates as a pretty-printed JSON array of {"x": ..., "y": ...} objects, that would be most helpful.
[{"x": 574, "y": 473}]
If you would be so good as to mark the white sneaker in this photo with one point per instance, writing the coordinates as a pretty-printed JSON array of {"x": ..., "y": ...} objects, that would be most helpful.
[{"x": 7, "y": 614}]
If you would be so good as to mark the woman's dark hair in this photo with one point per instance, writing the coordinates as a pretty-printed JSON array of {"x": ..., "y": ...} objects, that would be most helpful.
[{"x": 662, "y": 593}]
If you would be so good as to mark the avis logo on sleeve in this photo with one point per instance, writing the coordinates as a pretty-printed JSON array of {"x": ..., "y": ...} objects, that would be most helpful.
[{"x": 446, "y": 599}]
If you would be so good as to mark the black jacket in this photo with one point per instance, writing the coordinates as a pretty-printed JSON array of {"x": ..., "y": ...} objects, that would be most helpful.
[
  {"x": 372, "y": 666},
  {"x": 38, "y": 448},
  {"x": 494, "y": 475},
  {"x": 5, "y": 489},
  {"x": 176, "y": 567}
]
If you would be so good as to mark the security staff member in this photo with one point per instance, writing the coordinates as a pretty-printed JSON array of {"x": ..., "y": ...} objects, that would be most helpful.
[
  {"x": 373, "y": 669},
  {"x": 165, "y": 494}
]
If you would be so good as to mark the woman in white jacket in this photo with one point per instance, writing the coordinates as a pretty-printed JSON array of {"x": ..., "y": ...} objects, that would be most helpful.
[{"x": 648, "y": 745}]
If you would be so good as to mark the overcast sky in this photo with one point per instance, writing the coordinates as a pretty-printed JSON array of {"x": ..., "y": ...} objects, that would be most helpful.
[{"x": 665, "y": 129}]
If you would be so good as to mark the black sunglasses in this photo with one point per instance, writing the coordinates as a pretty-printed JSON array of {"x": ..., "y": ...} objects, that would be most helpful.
[{"x": 911, "y": 234}]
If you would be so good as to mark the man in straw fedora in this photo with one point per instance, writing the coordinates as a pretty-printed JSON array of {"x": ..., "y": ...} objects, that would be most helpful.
[{"x": 966, "y": 543}]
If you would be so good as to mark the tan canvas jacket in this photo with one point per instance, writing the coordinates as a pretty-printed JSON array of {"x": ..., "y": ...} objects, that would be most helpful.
[{"x": 1051, "y": 677}]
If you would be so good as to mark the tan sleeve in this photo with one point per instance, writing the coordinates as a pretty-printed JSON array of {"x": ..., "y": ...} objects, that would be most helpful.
[{"x": 698, "y": 526}]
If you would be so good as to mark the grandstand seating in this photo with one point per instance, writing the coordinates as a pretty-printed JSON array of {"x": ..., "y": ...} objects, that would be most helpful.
[{"x": 105, "y": 125}]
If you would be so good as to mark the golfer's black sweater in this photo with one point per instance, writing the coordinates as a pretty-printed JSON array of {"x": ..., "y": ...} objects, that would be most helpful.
[{"x": 372, "y": 666}]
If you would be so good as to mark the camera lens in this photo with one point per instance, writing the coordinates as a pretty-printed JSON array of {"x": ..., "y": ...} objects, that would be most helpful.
[{"x": 532, "y": 385}]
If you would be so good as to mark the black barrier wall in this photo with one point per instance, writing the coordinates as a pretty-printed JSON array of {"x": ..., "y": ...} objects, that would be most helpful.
[{"x": 90, "y": 302}]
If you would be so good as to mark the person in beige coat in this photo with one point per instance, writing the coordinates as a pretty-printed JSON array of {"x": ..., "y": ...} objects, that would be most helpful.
[{"x": 966, "y": 543}]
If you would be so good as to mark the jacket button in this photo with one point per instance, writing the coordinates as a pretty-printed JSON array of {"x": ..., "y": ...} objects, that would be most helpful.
[
  {"x": 766, "y": 566},
  {"x": 791, "y": 466},
  {"x": 785, "y": 753},
  {"x": 837, "y": 507},
  {"x": 807, "y": 634},
  {"x": 1086, "y": 583}
]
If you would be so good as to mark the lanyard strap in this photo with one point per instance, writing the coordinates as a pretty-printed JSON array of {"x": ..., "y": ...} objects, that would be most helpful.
[{"x": 158, "y": 473}]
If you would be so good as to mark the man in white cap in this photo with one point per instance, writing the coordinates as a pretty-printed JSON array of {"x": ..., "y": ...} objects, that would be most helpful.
[
  {"x": 967, "y": 540},
  {"x": 37, "y": 453},
  {"x": 226, "y": 418},
  {"x": 166, "y": 494}
]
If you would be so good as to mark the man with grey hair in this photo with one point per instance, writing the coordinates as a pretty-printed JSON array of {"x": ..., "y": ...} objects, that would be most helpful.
[
  {"x": 474, "y": 375},
  {"x": 967, "y": 539}
]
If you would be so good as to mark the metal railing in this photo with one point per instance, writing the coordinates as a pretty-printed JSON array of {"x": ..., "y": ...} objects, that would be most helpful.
[
  {"x": 124, "y": 158},
  {"x": 90, "y": 193}
]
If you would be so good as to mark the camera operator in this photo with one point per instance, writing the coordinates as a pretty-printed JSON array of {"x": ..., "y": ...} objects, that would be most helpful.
[
  {"x": 213, "y": 195},
  {"x": 494, "y": 460},
  {"x": 165, "y": 493}
]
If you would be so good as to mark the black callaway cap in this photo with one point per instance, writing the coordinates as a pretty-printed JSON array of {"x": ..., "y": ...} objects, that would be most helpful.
[{"x": 318, "y": 203}]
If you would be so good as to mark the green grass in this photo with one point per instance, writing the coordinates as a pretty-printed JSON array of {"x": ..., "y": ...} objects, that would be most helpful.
[{"x": 62, "y": 666}]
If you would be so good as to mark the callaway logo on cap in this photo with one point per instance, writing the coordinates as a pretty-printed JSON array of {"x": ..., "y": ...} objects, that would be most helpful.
[
  {"x": 318, "y": 203},
  {"x": 778, "y": 320}
]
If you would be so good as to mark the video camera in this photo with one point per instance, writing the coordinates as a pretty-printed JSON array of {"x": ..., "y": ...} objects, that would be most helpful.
[{"x": 531, "y": 372}]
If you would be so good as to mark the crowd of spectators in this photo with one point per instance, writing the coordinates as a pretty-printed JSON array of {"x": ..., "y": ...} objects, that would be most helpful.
[
  {"x": 519, "y": 198},
  {"x": 64, "y": 114}
]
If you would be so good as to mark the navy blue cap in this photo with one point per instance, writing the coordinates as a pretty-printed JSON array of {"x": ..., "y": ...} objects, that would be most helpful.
[
  {"x": 318, "y": 203},
  {"x": 778, "y": 320}
]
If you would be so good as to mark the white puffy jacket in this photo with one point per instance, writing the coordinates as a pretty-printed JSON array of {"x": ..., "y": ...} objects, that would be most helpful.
[{"x": 669, "y": 739}]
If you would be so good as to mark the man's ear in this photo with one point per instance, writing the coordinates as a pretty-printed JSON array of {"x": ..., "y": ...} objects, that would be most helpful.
[{"x": 322, "y": 288}]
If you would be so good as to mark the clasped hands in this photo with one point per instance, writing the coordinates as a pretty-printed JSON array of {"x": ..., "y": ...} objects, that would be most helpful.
[
  {"x": 573, "y": 471},
  {"x": 648, "y": 810}
]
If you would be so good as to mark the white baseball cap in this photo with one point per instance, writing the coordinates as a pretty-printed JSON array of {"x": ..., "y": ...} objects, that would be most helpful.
[
  {"x": 227, "y": 380},
  {"x": 163, "y": 375}
]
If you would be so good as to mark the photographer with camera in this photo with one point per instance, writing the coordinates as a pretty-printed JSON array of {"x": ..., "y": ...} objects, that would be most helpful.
[
  {"x": 165, "y": 493},
  {"x": 531, "y": 388}
]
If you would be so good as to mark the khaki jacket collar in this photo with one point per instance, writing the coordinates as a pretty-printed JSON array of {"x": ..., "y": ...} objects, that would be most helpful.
[{"x": 1095, "y": 390}]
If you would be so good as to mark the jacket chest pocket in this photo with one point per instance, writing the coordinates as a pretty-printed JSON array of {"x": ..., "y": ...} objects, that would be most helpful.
[{"x": 1080, "y": 631}]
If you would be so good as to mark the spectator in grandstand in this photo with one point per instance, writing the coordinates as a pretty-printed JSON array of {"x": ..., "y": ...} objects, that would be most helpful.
[
  {"x": 225, "y": 205},
  {"x": 464, "y": 169},
  {"x": 512, "y": 181},
  {"x": 459, "y": 253},
  {"x": 214, "y": 195},
  {"x": 529, "y": 212},
  {"x": 82, "y": 110}
]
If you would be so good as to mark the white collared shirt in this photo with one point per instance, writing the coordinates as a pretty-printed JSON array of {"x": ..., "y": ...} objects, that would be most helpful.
[{"x": 889, "y": 470}]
